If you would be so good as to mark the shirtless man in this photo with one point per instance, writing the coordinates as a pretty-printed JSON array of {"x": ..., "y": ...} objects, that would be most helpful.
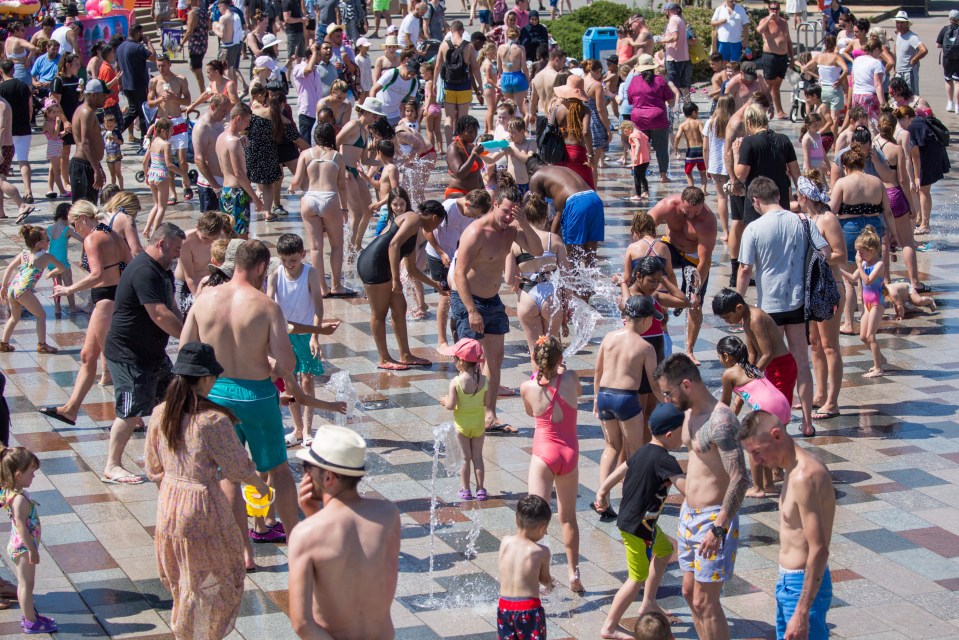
[
  {"x": 464, "y": 159},
  {"x": 691, "y": 238},
  {"x": 168, "y": 93},
  {"x": 247, "y": 330},
  {"x": 86, "y": 174},
  {"x": 6, "y": 162},
  {"x": 343, "y": 534},
  {"x": 475, "y": 306},
  {"x": 742, "y": 86},
  {"x": 777, "y": 54},
  {"x": 580, "y": 216},
  {"x": 207, "y": 129},
  {"x": 542, "y": 84},
  {"x": 807, "y": 508},
  {"x": 237, "y": 193},
  {"x": 195, "y": 257},
  {"x": 640, "y": 38},
  {"x": 459, "y": 96},
  {"x": 716, "y": 482}
]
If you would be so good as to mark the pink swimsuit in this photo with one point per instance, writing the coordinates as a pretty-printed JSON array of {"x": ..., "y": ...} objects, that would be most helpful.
[
  {"x": 556, "y": 443},
  {"x": 761, "y": 394}
]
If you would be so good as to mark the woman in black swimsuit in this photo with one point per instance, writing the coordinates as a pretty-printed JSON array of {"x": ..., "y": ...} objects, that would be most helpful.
[
  {"x": 378, "y": 267},
  {"x": 105, "y": 255}
]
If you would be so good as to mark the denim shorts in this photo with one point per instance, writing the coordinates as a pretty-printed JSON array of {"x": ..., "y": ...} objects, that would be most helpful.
[
  {"x": 788, "y": 588},
  {"x": 853, "y": 227}
]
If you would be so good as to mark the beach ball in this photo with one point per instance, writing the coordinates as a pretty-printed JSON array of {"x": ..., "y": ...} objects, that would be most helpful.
[{"x": 105, "y": 7}]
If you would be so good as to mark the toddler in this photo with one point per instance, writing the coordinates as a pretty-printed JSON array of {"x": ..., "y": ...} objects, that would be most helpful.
[
  {"x": 112, "y": 154},
  {"x": 19, "y": 289},
  {"x": 869, "y": 271},
  {"x": 53, "y": 132},
  {"x": 60, "y": 233},
  {"x": 467, "y": 399}
]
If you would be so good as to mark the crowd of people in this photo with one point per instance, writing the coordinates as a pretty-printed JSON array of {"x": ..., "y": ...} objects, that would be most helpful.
[{"x": 814, "y": 232}]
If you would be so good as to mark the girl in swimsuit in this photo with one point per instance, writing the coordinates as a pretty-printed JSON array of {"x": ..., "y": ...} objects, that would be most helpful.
[
  {"x": 551, "y": 398},
  {"x": 323, "y": 205},
  {"x": 814, "y": 156},
  {"x": 869, "y": 271},
  {"x": 378, "y": 267},
  {"x": 157, "y": 163},
  {"x": 645, "y": 243},
  {"x": 416, "y": 157},
  {"x": 755, "y": 390},
  {"x": 218, "y": 83},
  {"x": 539, "y": 305},
  {"x": 352, "y": 142},
  {"x": 60, "y": 233},
  {"x": 105, "y": 254},
  {"x": 490, "y": 75},
  {"x": 466, "y": 398},
  {"x": 19, "y": 289},
  {"x": 434, "y": 111}
]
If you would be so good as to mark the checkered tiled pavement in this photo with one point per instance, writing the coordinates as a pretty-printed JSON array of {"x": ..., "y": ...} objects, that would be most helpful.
[{"x": 894, "y": 456}]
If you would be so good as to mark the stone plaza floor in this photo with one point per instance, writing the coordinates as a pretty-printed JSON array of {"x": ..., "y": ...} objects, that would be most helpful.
[{"x": 893, "y": 454}]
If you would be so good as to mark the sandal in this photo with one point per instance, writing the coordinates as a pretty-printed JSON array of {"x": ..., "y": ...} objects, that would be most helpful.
[
  {"x": 481, "y": 495},
  {"x": 188, "y": 194},
  {"x": 464, "y": 494},
  {"x": 270, "y": 217},
  {"x": 292, "y": 441},
  {"x": 43, "y": 347},
  {"x": 922, "y": 288},
  {"x": 171, "y": 202},
  {"x": 5, "y": 347},
  {"x": 40, "y": 625}
]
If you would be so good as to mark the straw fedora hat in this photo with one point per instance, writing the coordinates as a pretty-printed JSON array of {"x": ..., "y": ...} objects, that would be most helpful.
[
  {"x": 372, "y": 105},
  {"x": 645, "y": 62},
  {"x": 336, "y": 449},
  {"x": 572, "y": 89}
]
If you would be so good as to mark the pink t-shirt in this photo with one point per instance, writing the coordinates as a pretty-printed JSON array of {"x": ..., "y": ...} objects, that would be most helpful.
[
  {"x": 677, "y": 51},
  {"x": 639, "y": 147}
]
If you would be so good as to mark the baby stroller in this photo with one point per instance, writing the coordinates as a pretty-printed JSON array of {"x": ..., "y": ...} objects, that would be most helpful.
[
  {"x": 800, "y": 82},
  {"x": 150, "y": 115},
  {"x": 427, "y": 50}
]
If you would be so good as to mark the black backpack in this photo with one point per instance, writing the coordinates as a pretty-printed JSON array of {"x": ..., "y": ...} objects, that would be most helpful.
[
  {"x": 938, "y": 129},
  {"x": 549, "y": 142},
  {"x": 822, "y": 292},
  {"x": 455, "y": 69},
  {"x": 950, "y": 42}
]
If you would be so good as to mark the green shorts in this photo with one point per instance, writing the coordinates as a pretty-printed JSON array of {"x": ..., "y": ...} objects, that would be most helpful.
[
  {"x": 639, "y": 552},
  {"x": 256, "y": 405},
  {"x": 381, "y": 5},
  {"x": 305, "y": 361}
]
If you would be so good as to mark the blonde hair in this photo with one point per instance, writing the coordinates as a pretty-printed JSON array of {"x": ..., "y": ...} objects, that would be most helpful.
[
  {"x": 126, "y": 200},
  {"x": 755, "y": 118},
  {"x": 339, "y": 86},
  {"x": 626, "y": 128},
  {"x": 869, "y": 240},
  {"x": 84, "y": 209},
  {"x": 218, "y": 251},
  {"x": 14, "y": 460}
]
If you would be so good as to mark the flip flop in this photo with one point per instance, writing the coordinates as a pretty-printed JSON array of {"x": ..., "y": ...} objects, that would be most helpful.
[
  {"x": 810, "y": 435},
  {"x": 127, "y": 479},
  {"x": 605, "y": 514},
  {"x": 52, "y": 412},
  {"x": 23, "y": 216},
  {"x": 501, "y": 427},
  {"x": 251, "y": 569},
  {"x": 922, "y": 288},
  {"x": 825, "y": 415},
  {"x": 349, "y": 293},
  {"x": 506, "y": 392},
  {"x": 418, "y": 362},
  {"x": 393, "y": 366}
]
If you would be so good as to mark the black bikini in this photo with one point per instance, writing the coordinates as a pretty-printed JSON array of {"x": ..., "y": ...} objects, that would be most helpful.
[{"x": 102, "y": 293}]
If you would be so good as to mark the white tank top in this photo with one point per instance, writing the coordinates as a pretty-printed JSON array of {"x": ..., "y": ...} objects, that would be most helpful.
[
  {"x": 293, "y": 296},
  {"x": 829, "y": 74},
  {"x": 60, "y": 35}
]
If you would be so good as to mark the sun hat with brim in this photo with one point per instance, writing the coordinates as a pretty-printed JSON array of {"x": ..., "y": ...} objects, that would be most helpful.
[
  {"x": 197, "y": 359},
  {"x": 229, "y": 259},
  {"x": 337, "y": 449},
  {"x": 372, "y": 105},
  {"x": 270, "y": 40},
  {"x": 645, "y": 62},
  {"x": 902, "y": 16},
  {"x": 391, "y": 41},
  {"x": 572, "y": 89},
  {"x": 334, "y": 27}
]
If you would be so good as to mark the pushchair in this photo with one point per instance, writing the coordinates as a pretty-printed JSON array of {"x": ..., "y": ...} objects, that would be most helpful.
[{"x": 150, "y": 115}]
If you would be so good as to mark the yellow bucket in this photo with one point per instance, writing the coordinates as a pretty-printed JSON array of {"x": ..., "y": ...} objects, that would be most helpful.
[{"x": 256, "y": 506}]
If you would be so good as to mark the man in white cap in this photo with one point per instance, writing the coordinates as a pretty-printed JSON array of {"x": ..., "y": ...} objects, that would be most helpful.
[
  {"x": 344, "y": 534},
  {"x": 948, "y": 41},
  {"x": 342, "y": 55},
  {"x": 909, "y": 51},
  {"x": 86, "y": 174}
]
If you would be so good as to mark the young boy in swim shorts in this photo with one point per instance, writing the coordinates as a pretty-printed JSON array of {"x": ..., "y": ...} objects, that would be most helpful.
[
  {"x": 646, "y": 476},
  {"x": 523, "y": 568},
  {"x": 692, "y": 130}
]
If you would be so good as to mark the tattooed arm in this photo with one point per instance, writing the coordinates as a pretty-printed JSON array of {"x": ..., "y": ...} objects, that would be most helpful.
[{"x": 721, "y": 431}]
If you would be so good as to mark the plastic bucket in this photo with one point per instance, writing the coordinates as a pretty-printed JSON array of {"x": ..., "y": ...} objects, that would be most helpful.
[{"x": 256, "y": 506}]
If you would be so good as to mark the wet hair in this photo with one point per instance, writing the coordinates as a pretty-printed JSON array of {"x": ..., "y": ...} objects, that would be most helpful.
[
  {"x": 755, "y": 118},
  {"x": 887, "y": 126},
  {"x": 752, "y": 424},
  {"x": 764, "y": 190},
  {"x": 217, "y": 65},
  {"x": 212, "y": 223},
  {"x": 432, "y": 208},
  {"x": 325, "y": 135},
  {"x": 869, "y": 240},
  {"x": 690, "y": 109},
  {"x": 180, "y": 401},
  {"x": 508, "y": 192},
  {"x": 863, "y": 136},
  {"x": 855, "y": 158},
  {"x": 857, "y": 113},
  {"x": 726, "y": 301},
  {"x": 812, "y": 118},
  {"x": 386, "y": 148},
  {"x": 901, "y": 87},
  {"x": 289, "y": 244},
  {"x": 465, "y": 123},
  {"x": 535, "y": 209},
  {"x": 382, "y": 129},
  {"x": 649, "y": 266},
  {"x": 643, "y": 225},
  {"x": 324, "y": 114},
  {"x": 761, "y": 99},
  {"x": 716, "y": 57},
  {"x": 736, "y": 349},
  {"x": 693, "y": 195},
  {"x": 725, "y": 108},
  {"x": 652, "y": 625},
  {"x": 397, "y": 192},
  {"x": 676, "y": 368},
  {"x": 548, "y": 355},
  {"x": 504, "y": 180},
  {"x": 62, "y": 212},
  {"x": 516, "y": 124},
  {"x": 532, "y": 511},
  {"x": 32, "y": 235},
  {"x": 557, "y": 53},
  {"x": 162, "y": 124},
  {"x": 239, "y": 110},
  {"x": 14, "y": 460},
  {"x": 251, "y": 254},
  {"x": 829, "y": 42},
  {"x": 479, "y": 199}
]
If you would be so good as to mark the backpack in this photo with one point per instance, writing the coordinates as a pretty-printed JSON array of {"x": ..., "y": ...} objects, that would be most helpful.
[
  {"x": 938, "y": 128},
  {"x": 455, "y": 69},
  {"x": 414, "y": 85},
  {"x": 822, "y": 292},
  {"x": 499, "y": 11},
  {"x": 950, "y": 42},
  {"x": 549, "y": 142}
]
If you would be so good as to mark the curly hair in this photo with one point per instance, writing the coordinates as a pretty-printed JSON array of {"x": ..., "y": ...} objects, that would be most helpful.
[{"x": 548, "y": 355}]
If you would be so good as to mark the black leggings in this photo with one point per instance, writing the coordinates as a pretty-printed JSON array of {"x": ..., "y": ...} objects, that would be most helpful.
[
  {"x": 639, "y": 178},
  {"x": 4, "y": 413}
]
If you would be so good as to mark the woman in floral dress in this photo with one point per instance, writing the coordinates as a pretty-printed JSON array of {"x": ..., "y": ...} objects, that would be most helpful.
[{"x": 190, "y": 447}]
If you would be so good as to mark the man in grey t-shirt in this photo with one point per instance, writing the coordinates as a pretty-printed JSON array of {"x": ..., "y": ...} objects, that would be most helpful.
[
  {"x": 773, "y": 251},
  {"x": 909, "y": 51}
]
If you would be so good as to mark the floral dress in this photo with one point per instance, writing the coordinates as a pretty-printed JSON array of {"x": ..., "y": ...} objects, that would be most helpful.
[{"x": 199, "y": 547}]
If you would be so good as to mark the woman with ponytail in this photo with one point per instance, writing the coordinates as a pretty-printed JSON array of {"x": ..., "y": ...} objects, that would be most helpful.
[
  {"x": 755, "y": 390},
  {"x": 191, "y": 451},
  {"x": 551, "y": 398}
]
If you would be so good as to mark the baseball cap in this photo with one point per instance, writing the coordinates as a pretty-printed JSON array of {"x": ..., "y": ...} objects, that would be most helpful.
[
  {"x": 392, "y": 30},
  {"x": 671, "y": 6},
  {"x": 954, "y": 14},
  {"x": 665, "y": 418},
  {"x": 362, "y": 42},
  {"x": 902, "y": 16},
  {"x": 612, "y": 59},
  {"x": 749, "y": 69},
  {"x": 94, "y": 86},
  {"x": 533, "y": 13},
  {"x": 641, "y": 307},
  {"x": 468, "y": 350}
]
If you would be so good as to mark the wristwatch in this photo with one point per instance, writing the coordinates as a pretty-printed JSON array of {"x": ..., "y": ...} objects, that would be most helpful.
[{"x": 719, "y": 532}]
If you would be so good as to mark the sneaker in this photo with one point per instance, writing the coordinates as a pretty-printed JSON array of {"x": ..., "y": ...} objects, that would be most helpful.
[
  {"x": 950, "y": 106},
  {"x": 272, "y": 535},
  {"x": 277, "y": 526}
]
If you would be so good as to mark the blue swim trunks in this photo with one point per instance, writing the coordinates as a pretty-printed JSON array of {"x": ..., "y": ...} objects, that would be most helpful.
[
  {"x": 617, "y": 404},
  {"x": 730, "y": 51},
  {"x": 788, "y": 589},
  {"x": 495, "y": 321},
  {"x": 514, "y": 82},
  {"x": 583, "y": 218},
  {"x": 256, "y": 405}
]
